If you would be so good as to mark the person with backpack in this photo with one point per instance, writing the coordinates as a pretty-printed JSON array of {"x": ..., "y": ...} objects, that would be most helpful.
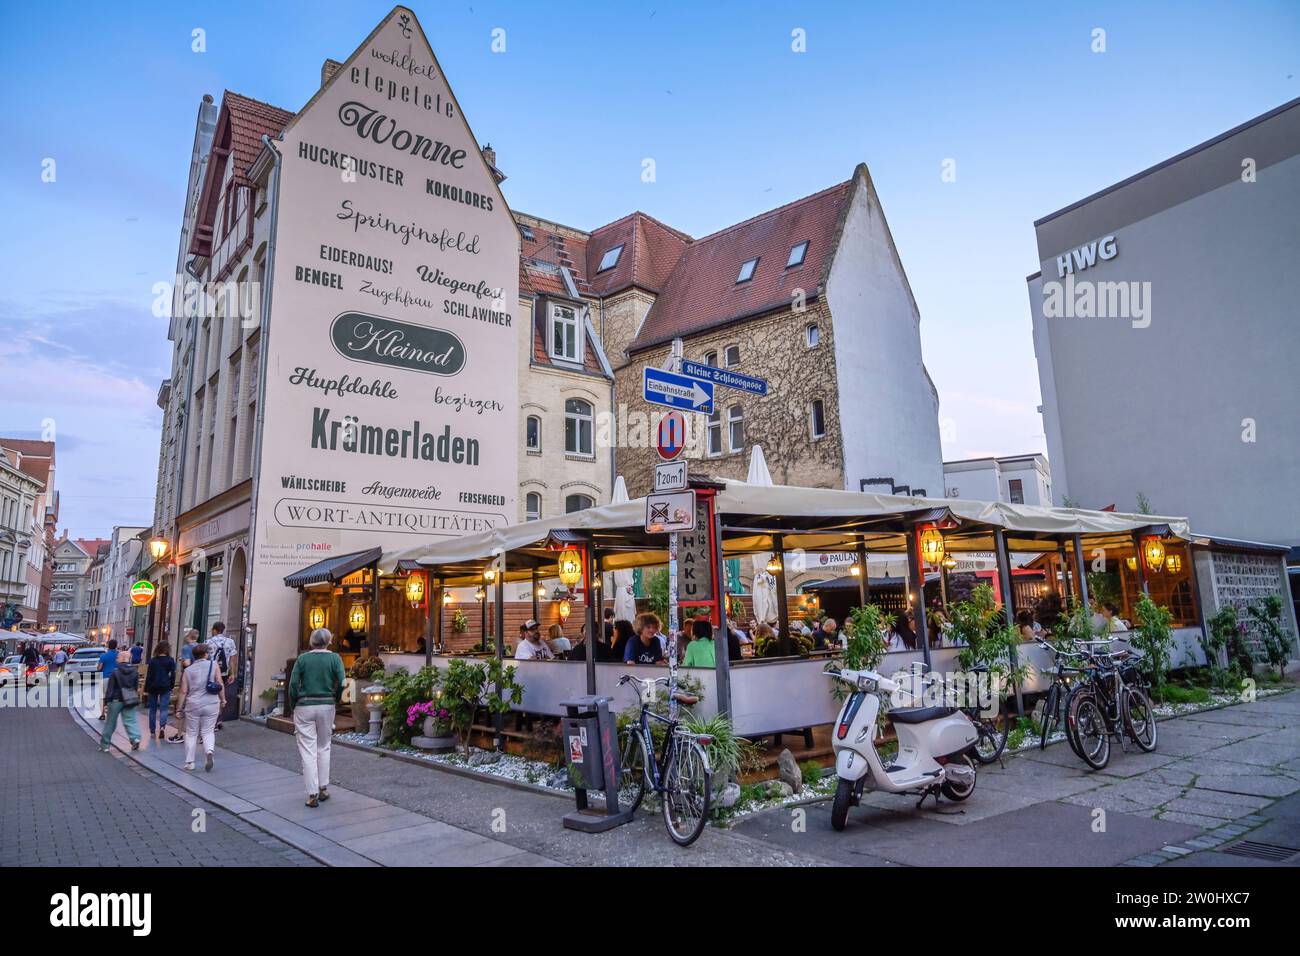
[
  {"x": 222, "y": 650},
  {"x": 159, "y": 680},
  {"x": 203, "y": 694},
  {"x": 122, "y": 697}
]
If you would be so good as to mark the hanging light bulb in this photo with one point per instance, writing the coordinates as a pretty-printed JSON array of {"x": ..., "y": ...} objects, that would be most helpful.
[
  {"x": 931, "y": 546},
  {"x": 569, "y": 566},
  {"x": 1154, "y": 552},
  {"x": 773, "y": 565},
  {"x": 856, "y": 570},
  {"x": 415, "y": 589},
  {"x": 1132, "y": 562},
  {"x": 949, "y": 561}
]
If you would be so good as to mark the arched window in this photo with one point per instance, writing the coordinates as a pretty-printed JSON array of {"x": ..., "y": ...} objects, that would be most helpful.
[
  {"x": 577, "y": 503},
  {"x": 577, "y": 427},
  {"x": 735, "y": 428},
  {"x": 818, "y": 418},
  {"x": 714, "y": 433},
  {"x": 532, "y": 506},
  {"x": 533, "y": 433}
]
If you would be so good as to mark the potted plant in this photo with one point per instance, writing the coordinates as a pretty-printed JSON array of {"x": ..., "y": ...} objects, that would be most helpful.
[
  {"x": 459, "y": 622},
  {"x": 435, "y": 722}
]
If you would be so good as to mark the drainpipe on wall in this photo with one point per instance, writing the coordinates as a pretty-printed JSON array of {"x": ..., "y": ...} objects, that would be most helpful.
[
  {"x": 250, "y": 655},
  {"x": 178, "y": 501}
]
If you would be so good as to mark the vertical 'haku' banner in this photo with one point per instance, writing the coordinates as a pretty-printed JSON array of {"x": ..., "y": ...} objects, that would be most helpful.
[{"x": 390, "y": 405}]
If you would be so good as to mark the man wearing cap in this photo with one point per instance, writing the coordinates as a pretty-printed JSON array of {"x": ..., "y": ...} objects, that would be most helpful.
[{"x": 532, "y": 647}]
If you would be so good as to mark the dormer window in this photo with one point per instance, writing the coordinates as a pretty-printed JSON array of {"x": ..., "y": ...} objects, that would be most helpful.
[
  {"x": 747, "y": 270},
  {"x": 797, "y": 253},
  {"x": 564, "y": 336},
  {"x": 610, "y": 259}
]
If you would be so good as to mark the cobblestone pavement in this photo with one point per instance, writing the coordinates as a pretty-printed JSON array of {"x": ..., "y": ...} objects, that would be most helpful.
[
  {"x": 1216, "y": 779},
  {"x": 63, "y": 803}
]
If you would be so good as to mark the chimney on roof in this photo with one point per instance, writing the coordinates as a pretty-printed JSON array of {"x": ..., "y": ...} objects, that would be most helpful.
[
  {"x": 328, "y": 69},
  {"x": 490, "y": 157}
]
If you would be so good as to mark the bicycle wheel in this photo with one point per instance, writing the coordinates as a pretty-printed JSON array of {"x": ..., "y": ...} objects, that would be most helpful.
[
  {"x": 631, "y": 767},
  {"x": 1065, "y": 704},
  {"x": 1139, "y": 718},
  {"x": 989, "y": 745},
  {"x": 1049, "y": 715},
  {"x": 687, "y": 790},
  {"x": 1090, "y": 731}
]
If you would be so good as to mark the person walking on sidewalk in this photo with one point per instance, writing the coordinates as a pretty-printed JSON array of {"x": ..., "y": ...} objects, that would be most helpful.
[
  {"x": 314, "y": 692},
  {"x": 122, "y": 698},
  {"x": 107, "y": 664},
  {"x": 158, "y": 683},
  {"x": 203, "y": 694},
  {"x": 188, "y": 643},
  {"x": 222, "y": 650}
]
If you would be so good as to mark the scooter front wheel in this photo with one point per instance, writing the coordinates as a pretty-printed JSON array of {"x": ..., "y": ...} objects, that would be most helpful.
[{"x": 840, "y": 805}]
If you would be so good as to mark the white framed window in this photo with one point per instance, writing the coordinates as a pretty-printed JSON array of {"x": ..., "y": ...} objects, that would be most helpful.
[
  {"x": 711, "y": 358},
  {"x": 818, "y": 418},
  {"x": 565, "y": 337},
  {"x": 735, "y": 428},
  {"x": 797, "y": 253},
  {"x": 574, "y": 503},
  {"x": 533, "y": 506},
  {"x": 610, "y": 259},
  {"x": 578, "y": 422},
  {"x": 747, "y": 270},
  {"x": 714, "y": 434},
  {"x": 731, "y": 357},
  {"x": 812, "y": 335},
  {"x": 533, "y": 433}
]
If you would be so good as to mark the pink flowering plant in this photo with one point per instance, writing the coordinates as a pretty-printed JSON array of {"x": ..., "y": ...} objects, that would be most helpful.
[{"x": 416, "y": 713}]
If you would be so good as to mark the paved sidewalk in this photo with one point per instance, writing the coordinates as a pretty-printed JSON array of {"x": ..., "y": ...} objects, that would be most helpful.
[
  {"x": 63, "y": 803},
  {"x": 350, "y": 829}
]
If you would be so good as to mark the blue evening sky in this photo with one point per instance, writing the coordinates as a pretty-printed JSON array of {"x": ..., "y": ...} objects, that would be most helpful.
[{"x": 736, "y": 122}]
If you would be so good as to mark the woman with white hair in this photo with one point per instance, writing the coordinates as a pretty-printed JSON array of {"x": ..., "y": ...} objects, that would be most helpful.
[
  {"x": 314, "y": 692},
  {"x": 203, "y": 695}
]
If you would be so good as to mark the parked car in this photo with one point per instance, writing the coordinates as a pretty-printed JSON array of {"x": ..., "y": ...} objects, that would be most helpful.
[
  {"x": 12, "y": 667},
  {"x": 84, "y": 660}
]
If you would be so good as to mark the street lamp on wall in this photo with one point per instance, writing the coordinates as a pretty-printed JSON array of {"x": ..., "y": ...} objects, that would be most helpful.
[{"x": 158, "y": 547}]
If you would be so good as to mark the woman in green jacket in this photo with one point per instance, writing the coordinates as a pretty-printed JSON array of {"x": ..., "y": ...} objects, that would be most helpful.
[{"x": 314, "y": 692}]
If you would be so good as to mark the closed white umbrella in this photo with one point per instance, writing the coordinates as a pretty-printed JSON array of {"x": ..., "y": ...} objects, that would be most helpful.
[
  {"x": 764, "y": 582},
  {"x": 624, "y": 598}
]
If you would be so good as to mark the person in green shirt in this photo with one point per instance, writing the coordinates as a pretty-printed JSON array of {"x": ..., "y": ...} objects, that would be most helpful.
[
  {"x": 314, "y": 692},
  {"x": 700, "y": 651}
]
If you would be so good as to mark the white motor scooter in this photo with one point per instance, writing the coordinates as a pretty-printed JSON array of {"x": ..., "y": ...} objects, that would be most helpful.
[{"x": 933, "y": 747}]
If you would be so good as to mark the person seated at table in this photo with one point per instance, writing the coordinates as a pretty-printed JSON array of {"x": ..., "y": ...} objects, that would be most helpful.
[
  {"x": 646, "y": 647},
  {"x": 1110, "y": 615},
  {"x": 1025, "y": 624},
  {"x": 532, "y": 647},
  {"x": 623, "y": 632},
  {"x": 826, "y": 636},
  {"x": 700, "y": 652},
  {"x": 904, "y": 629},
  {"x": 420, "y": 645},
  {"x": 557, "y": 642}
]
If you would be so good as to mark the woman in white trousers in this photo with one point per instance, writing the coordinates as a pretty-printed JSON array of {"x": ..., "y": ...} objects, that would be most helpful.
[
  {"x": 314, "y": 691},
  {"x": 200, "y": 706}
]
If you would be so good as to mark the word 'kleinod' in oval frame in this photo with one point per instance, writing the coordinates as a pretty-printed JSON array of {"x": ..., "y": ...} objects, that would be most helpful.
[{"x": 379, "y": 341}]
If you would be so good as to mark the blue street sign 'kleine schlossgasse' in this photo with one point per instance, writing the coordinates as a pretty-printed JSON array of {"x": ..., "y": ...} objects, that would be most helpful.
[
  {"x": 677, "y": 391},
  {"x": 725, "y": 378}
]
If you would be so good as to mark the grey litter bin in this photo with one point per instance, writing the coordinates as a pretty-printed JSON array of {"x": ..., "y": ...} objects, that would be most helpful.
[{"x": 590, "y": 741}]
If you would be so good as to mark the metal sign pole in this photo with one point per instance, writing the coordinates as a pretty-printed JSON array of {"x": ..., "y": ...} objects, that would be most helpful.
[{"x": 676, "y": 363}]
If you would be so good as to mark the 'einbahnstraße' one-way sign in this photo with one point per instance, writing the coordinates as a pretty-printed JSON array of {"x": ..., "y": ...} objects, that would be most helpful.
[
  {"x": 677, "y": 391},
  {"x": 725, "y": 378}
]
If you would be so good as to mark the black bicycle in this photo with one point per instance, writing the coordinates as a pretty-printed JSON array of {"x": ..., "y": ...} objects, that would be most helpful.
[
  {"x": 679, "y": 772},
  {"x": 1111, "y": 701},
  {"x": 1056, "y": 704}
]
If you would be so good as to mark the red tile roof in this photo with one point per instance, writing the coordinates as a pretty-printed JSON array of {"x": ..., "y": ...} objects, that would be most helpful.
[
  {"x": 249, "y": 119},
  {"x": 650, "y": 250},
  {"x": 90, "y": 545},
  {"x": 701, "y": 291},
  {"x": 37, "y": 457}
]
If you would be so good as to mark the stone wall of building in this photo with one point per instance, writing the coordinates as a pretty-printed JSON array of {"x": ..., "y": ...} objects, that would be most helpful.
[{"x": 773, "y": 348}]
